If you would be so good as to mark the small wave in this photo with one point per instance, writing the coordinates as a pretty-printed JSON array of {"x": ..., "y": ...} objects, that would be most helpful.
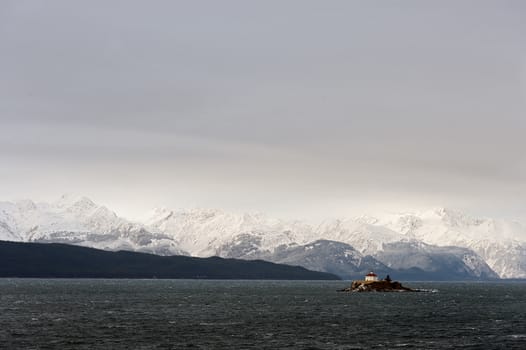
[
  {"x": 427, "y": 290},
  {"x": 517, "y": 336},
  {"x": 219, "y": 323}
]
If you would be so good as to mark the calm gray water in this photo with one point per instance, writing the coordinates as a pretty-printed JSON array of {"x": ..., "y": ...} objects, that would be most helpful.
[{"x": 165, "y": 314}]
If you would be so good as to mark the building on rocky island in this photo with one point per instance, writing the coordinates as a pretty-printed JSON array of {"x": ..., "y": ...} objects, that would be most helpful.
[{"x": 371, "y": 276}]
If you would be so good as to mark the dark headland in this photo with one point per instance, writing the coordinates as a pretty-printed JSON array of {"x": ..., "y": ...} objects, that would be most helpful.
[{"x": 42, "y": 260}]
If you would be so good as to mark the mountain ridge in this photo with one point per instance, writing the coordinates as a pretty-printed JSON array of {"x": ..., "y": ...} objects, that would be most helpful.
[{"x": 490, "y": 248}]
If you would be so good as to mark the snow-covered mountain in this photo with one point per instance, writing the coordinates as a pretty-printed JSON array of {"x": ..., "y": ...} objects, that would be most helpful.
[
  {"x": 205, "y": 232},
  {"x": 324, "y": 255},
  {"x": 439, "y": 242},
  {"x": 502, "y": 244},
  {"x": 443, "y": 262},
  {"x": 77, "y": 220},
  {"x": 362, "y": 233},
  {"x": 250, "y": 236}
]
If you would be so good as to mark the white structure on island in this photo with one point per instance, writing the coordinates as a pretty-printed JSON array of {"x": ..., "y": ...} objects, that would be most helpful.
[{"x": 371, "y": 276}]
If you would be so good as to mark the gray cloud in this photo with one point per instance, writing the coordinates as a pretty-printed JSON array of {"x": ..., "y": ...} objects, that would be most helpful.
[{"x": 335, "y": 106}]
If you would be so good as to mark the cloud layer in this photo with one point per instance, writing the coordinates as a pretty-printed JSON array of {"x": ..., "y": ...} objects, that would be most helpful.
[{"x": 292, "y": 107}]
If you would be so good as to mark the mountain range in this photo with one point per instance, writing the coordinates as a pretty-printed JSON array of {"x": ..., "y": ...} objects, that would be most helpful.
[{"x": 439, "y": 244}]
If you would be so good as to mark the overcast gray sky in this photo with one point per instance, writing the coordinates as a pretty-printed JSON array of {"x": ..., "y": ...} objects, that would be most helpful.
[{"x": 295, "y": 108}]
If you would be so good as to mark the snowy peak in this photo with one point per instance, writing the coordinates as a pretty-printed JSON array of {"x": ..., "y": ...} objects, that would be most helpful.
[
  {"x": 364, "y": 236},
  {"x": 73, "y": 201},
  {"x": 157, "y": 215},
  {"x": 451, "y": 218},
  {"x": 82, "y": 207},
  {"x": 366, "y": 219},
  {"x": 502, "y": 244},
  {"x": 25, "y": 205},
  {"x": 445, "y": 226},
  {"x": 78, "y": 220},
  {"x": 205, "y": 232},
  {"x": 70, "y": 213}
]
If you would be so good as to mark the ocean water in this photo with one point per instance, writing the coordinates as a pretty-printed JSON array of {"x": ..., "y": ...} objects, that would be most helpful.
[{"x": 199, "y": 314}]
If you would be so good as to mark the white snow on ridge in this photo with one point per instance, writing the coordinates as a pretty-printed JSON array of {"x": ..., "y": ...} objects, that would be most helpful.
[
  {"x": 78, "y": 220},
  {"x": 443, "y": 226},
  {"x": 365, "y": 237},
  {"x": 32, "y": 220},
  {"x": 502, "y": 244},
  {"x": 203, "y": 232}
]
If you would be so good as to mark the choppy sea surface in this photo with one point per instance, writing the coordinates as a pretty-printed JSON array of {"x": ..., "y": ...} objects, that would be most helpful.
[{"x": 199, "y": 314}]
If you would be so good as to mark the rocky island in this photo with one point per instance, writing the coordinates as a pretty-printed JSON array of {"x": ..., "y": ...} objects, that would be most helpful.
[{"x": 372, "y": 284}]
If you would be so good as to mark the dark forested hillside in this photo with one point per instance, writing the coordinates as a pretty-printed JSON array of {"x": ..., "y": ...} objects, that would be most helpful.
[{"x": 67, "y": 261}]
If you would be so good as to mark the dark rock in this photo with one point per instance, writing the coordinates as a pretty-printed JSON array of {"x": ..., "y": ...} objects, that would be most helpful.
[{"x": 377, "y": 286}]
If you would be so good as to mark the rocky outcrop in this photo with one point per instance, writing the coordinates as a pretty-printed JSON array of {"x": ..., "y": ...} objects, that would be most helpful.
[{"x": 377, "y": 286}]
